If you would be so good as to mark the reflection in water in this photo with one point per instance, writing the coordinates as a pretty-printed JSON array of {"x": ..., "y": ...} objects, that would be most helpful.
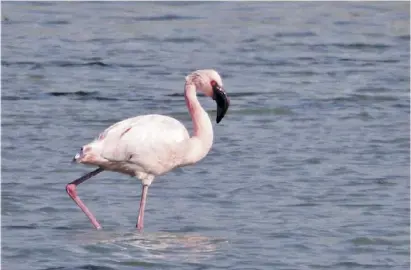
[{"x": 153, "y": 246}]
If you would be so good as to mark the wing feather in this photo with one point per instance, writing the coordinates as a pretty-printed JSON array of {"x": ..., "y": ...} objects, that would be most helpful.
[{"x": 151, "y": 142}]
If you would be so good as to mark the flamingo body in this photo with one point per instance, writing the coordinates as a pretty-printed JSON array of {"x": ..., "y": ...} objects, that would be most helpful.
[
  {"x": 144, "y": 146},
  {"x": 151, "y": 145}
]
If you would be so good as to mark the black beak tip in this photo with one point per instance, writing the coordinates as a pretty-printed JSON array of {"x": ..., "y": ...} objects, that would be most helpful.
[
  {"x": 220, "y": 114},
  {"x": 223, "y": 102}
]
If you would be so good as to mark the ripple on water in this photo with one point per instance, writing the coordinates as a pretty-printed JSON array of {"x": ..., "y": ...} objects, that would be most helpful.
[
  {"x": 82, "y": 267},
  {"x": 367, "y": 241},
  {"x": 155, "y": 248}
]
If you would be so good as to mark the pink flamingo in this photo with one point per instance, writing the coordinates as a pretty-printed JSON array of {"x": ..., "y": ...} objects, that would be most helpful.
[{"x": 150, "y": 145}]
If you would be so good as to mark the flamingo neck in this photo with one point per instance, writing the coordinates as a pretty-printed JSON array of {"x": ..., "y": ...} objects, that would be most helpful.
[{"x": 201, "y": 141}]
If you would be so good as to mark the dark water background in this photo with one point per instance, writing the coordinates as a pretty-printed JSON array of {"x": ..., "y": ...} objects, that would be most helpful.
[{"x": 309, "y": 170}]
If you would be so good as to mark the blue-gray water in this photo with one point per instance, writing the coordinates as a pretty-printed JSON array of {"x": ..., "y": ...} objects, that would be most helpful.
[{"x": 309, "y": 169}]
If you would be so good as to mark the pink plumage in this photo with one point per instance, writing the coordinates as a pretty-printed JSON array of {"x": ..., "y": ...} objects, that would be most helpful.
[{"x": 150, "y": 145}]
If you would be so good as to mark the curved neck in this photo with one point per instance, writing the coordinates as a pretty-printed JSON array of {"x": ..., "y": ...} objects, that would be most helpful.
[
  {"x": 202, "y": 139},
  {"x": 201, "y": 121}
]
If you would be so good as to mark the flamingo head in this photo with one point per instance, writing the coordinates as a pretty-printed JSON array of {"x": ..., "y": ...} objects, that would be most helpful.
[{"x": 209, "y": 82}]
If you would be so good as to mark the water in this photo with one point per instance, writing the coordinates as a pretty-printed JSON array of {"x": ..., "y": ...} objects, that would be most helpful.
[{"x": 309, "y": 169}]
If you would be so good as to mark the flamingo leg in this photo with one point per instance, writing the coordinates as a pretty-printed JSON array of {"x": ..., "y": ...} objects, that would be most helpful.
[
  {"x": 72, "y": 192},
  {"x": 140, "y": 220}
]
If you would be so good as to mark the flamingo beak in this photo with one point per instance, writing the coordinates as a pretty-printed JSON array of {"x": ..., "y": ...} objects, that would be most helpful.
[
  {"x": 78, "y": 156},
  {"x": 222, "y": 100}
]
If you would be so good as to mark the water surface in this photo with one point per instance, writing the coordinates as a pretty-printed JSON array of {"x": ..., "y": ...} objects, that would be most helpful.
[{"x": 309, "y": 169}]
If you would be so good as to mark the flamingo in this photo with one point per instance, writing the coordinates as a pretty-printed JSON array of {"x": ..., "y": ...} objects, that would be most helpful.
[{"x": 151, "y": 145}]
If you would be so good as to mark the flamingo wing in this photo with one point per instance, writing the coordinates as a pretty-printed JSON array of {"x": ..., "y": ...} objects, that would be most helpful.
[{"x": 151, "y": 142}]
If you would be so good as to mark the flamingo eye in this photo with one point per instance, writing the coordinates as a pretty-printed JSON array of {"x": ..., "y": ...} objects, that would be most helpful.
[{"x": 213, "y": 83}]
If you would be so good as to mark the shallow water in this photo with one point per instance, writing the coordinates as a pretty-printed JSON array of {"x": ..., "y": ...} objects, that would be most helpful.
[{"x": 309, "y": 169}]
